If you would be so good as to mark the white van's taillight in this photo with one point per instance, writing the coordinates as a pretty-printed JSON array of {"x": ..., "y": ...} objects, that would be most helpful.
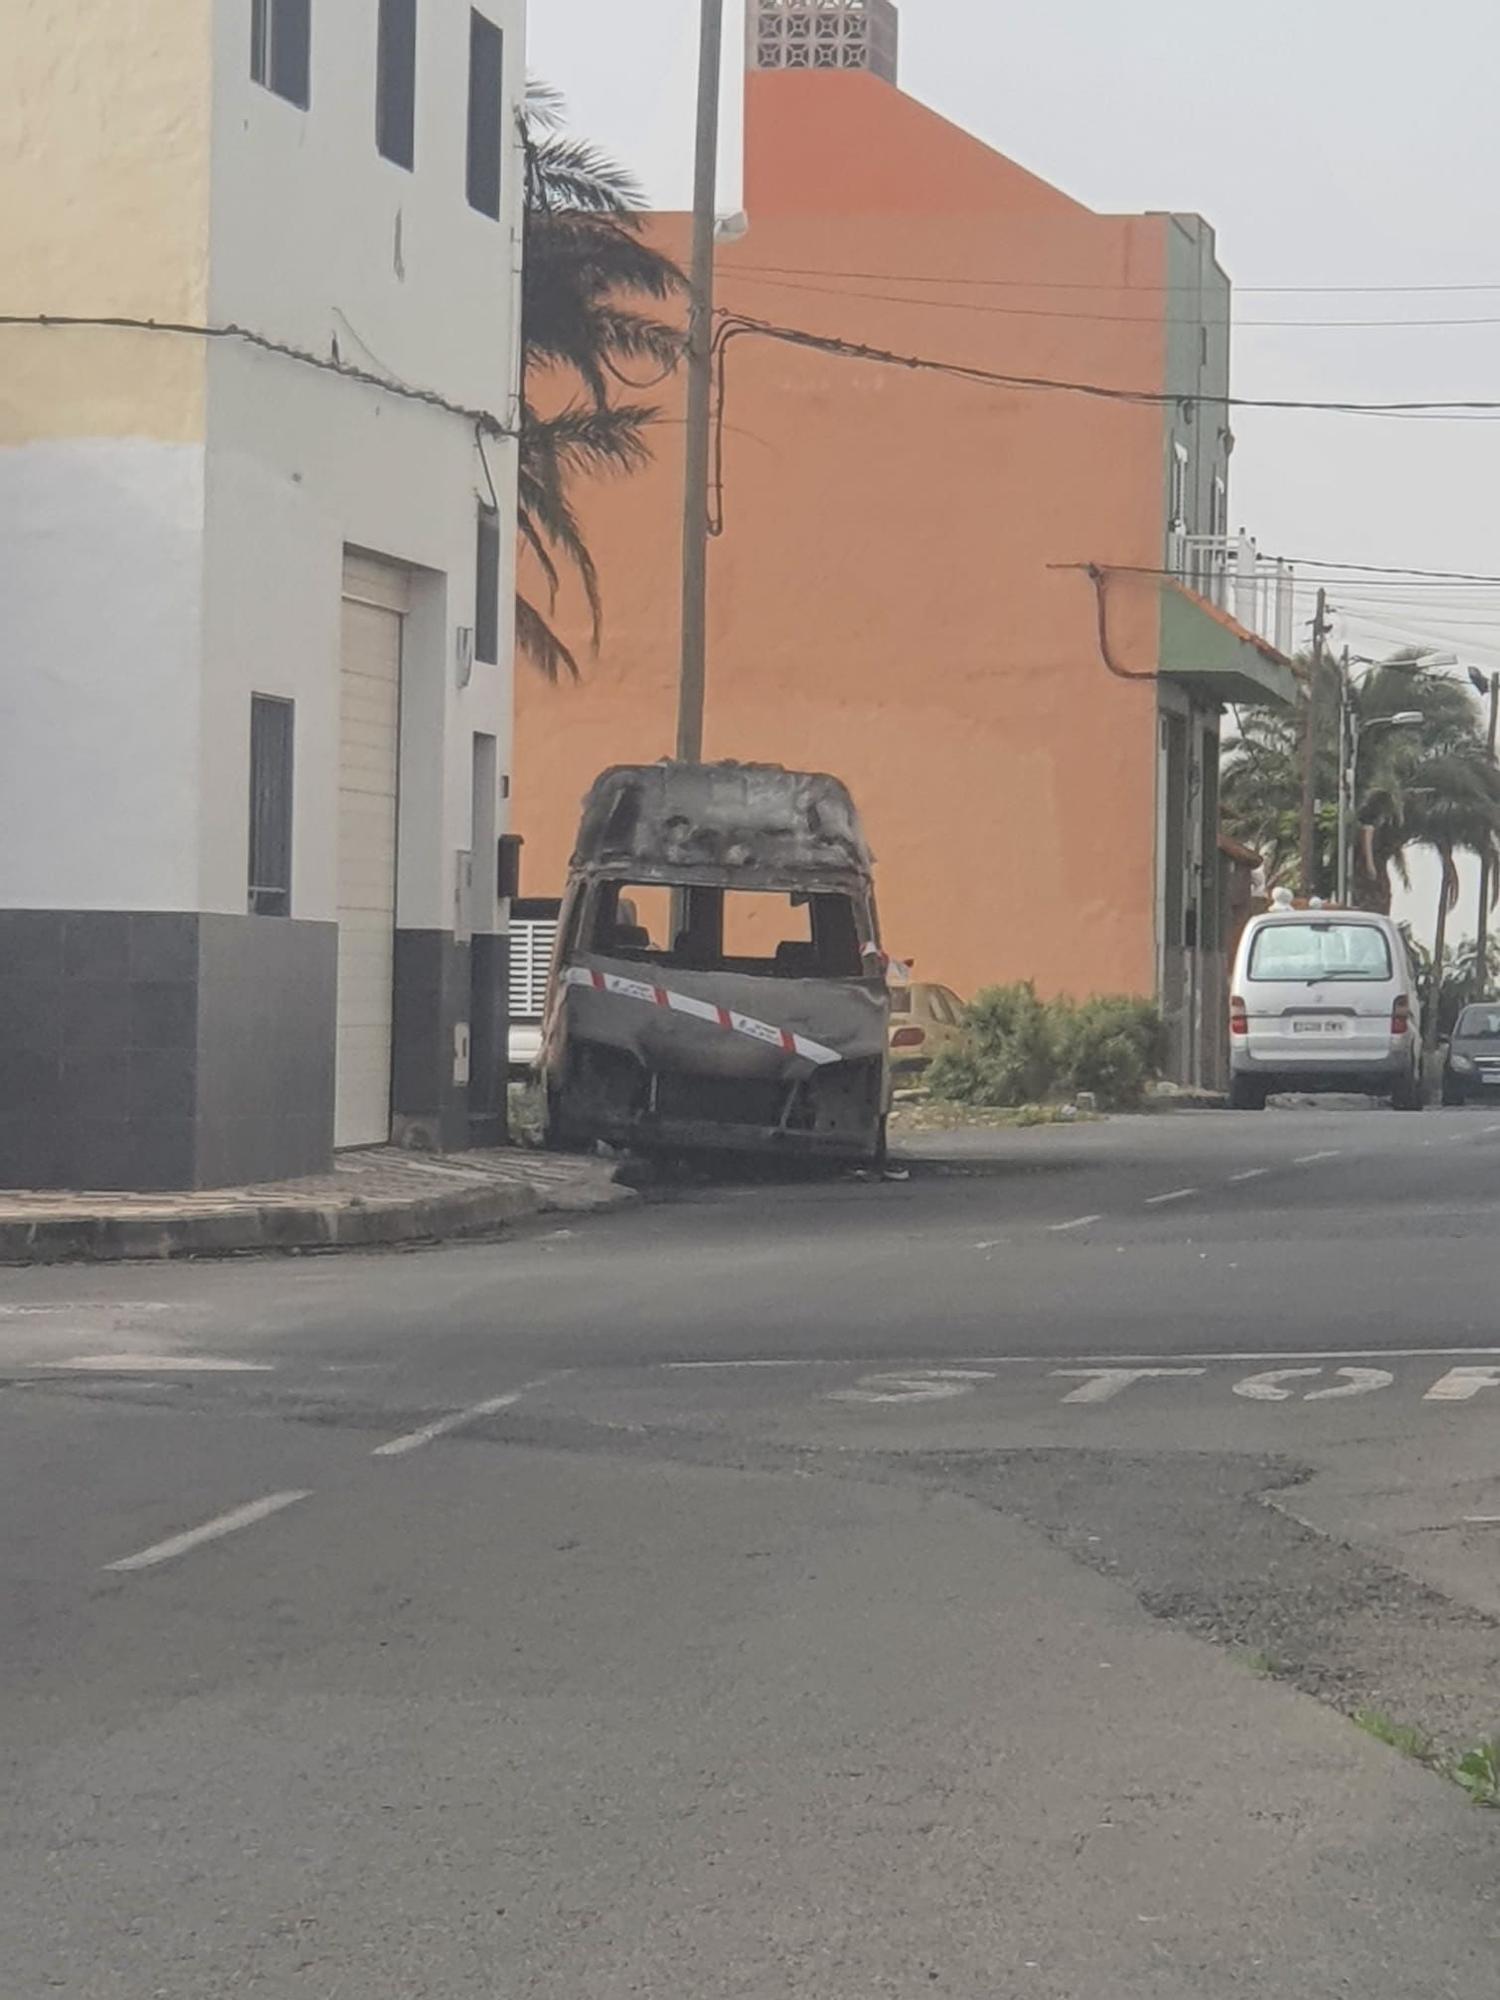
[
  {"x": 1400, "y": 1015},
  {"x": 1239, "y": 1021}
]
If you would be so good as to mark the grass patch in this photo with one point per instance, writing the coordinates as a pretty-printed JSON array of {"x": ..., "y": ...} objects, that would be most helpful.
[
  {"x": 527, "y": 1111},
  {"x": 1478, "y": 1772},
  {"x": 1260, "y": 1664},
  {"x": 1475, "y": 1771},
  {"x": 1411, "y": 1742}
]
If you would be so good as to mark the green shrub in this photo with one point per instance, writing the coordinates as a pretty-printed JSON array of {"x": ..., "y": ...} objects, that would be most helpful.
[
  {"x": 1016, "y": 1049},
  {"x": 1005, "y": 1055},
  {"x": 1112, "y": 1045}
]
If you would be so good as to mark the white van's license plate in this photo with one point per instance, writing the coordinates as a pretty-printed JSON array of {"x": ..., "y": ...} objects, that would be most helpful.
[{"x": 1319, "y": 1027}]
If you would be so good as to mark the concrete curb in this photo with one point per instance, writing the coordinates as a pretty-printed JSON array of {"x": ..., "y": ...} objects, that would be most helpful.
[{"x": 349, "y": 1225}]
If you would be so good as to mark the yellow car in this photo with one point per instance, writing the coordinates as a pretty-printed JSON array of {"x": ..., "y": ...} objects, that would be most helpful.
[{"x": 924, "y": 1020}]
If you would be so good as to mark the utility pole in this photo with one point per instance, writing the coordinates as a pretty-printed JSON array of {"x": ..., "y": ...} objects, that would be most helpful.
[
  {"x": 1348, "y": 778},
  {"x": 1308, "y": 843},
  {"x": 1482, "y": 936},
  {"x": 699, "y": 391}
]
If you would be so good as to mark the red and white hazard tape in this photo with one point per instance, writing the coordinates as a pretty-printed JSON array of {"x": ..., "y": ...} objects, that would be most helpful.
[{"x": 700, "y": 1010}]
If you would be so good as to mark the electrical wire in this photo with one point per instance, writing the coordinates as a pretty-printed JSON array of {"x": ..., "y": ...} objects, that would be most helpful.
[
  {"x": 735, "y": 325},
  {"x": 1093, "y": 318},
  {"x": 484, "y": 421},
  {"x": 1095, "y": 284}
]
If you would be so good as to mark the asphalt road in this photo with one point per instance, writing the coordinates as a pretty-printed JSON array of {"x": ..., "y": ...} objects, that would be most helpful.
[{"x": 954, "y": 1586}]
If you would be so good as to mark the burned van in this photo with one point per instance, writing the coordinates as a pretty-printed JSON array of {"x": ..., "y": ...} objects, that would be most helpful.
[{"x": 719, "y": 983}]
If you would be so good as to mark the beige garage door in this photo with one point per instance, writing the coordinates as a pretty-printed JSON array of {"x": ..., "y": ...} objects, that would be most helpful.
[{"x": 369, "y": 743}]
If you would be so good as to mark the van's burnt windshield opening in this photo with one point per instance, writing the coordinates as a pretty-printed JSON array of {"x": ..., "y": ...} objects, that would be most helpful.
[{"x": 794, "y": 934}]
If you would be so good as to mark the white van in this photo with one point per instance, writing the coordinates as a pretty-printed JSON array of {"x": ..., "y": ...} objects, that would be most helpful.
[{"x": 1323, "y": 999}]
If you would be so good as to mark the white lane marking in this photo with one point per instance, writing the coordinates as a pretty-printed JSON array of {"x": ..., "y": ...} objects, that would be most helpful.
[
  {"x": 397, "y": 1447},
  {"x": 1490, "y": 1130},
  {"x": 1360, "y": 1382},
  {"x": 993, "y": 1244},
  {"x": 1078, "y": 1222},
  {"x": 1176, "y": 1194},
  {"x": 1482, "y": 1520},
  {"x": 211, "y": 1531},
  {"x": 922, "y": 1385},
  {"x": 1266, "y": 1388},
  {"x": 1311, "y": 1159},
  {"x": 115, "y": 1309},
  {"x": 1459, "y": 1385},
  {"x": 1037, "y": 1360},
  {"x": 1104, "y": 1384},
  {"x": 811, "y": 1361},
  {"x": 413, "y": 1440},
  {"x": 158, "y": 1364},
  {"x": 1250, "y": 1174}
]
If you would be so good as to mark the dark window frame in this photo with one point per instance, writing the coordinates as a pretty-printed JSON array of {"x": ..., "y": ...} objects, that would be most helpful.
[
  {"x": 484, "y": 153},
  {"x": 396, "y": 83},
  {"x": 281, "y": 49},
  {"x": 268, "y": 874},
  {"x": 487, "y": 586}
]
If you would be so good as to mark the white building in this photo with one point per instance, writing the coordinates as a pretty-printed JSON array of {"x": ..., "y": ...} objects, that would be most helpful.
[{"x": 255, "y": 629}]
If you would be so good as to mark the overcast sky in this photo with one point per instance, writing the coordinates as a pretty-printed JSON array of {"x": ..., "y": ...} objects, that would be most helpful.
[{"x": 1331, "y": 143}]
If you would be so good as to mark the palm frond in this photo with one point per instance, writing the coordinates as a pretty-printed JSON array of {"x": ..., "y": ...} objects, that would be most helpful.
[
  {"x": 541, "y": 645},
  {"x": 587, "y": 261}
]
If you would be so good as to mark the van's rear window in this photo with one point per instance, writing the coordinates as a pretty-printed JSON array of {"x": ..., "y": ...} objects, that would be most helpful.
[{"x": 1320, "y": 949}]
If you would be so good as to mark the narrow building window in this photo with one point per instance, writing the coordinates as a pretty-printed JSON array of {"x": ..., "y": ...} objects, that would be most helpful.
[
  {"x": 487, "y": 587},
  {"x": 270, "y": 807},
  {"x": 486, "y": 104},
  {"x": 281, "y": 48},
  {"x": 396, "y": 81}
]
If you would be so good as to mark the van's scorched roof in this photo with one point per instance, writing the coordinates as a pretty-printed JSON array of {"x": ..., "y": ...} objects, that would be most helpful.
[{"x": 754, "y": 818}]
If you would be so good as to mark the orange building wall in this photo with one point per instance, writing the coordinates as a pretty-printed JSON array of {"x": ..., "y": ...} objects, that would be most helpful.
[{"x": 882, "y": 602}]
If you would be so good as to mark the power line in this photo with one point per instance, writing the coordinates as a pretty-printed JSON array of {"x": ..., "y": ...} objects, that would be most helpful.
[
  {"x": 485, "y": 421},
  {"x": 735, "y": 325},
  {"x": 1392, "y": 570},
  {"x": 1094, "y": 284},
  {"x": 1099, "y": 318}
]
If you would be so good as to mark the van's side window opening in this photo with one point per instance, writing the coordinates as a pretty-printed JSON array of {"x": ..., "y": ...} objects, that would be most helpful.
[{"x": 795, "y": 935}]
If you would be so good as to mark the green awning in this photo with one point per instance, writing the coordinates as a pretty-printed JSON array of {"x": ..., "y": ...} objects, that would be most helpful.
[{"x": 1216, "y": 657}]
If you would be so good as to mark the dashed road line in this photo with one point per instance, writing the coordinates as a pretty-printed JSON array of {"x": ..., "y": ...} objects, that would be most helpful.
[
  {"x": 414, "y": 1440},
  {"x": 1311, "y": 1159},
  {"x": 1175, "y": 1194},
  {"x": 1078, "y": 1222},
  {"x": 1250, "y": 1174},
  {"x": 397, "y": 1447},
  {"x": 211, "y": 1531}
]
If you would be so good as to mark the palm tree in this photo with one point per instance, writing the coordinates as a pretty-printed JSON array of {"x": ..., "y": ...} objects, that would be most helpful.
[
  {"x": 1261, "y": 780},
  {"x": 1261, "y": 784},
  {"x": 1391, "y": 759},
  {"x": 583, "y": 339},
  {"x": 1452, "y": 804}
]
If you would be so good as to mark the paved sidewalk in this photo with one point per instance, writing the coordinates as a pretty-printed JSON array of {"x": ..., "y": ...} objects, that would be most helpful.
[{"x": 381, "y": 1195}]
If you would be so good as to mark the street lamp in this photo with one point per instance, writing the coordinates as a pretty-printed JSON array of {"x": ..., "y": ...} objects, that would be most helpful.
[{"x": 1350, "y": 730}]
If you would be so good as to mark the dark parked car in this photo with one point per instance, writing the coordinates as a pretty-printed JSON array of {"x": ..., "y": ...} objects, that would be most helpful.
[{"x": 1471, "y": 1067}]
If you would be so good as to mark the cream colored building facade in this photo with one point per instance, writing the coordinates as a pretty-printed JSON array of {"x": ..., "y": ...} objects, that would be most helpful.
[{"x": 255, "y": 674}]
